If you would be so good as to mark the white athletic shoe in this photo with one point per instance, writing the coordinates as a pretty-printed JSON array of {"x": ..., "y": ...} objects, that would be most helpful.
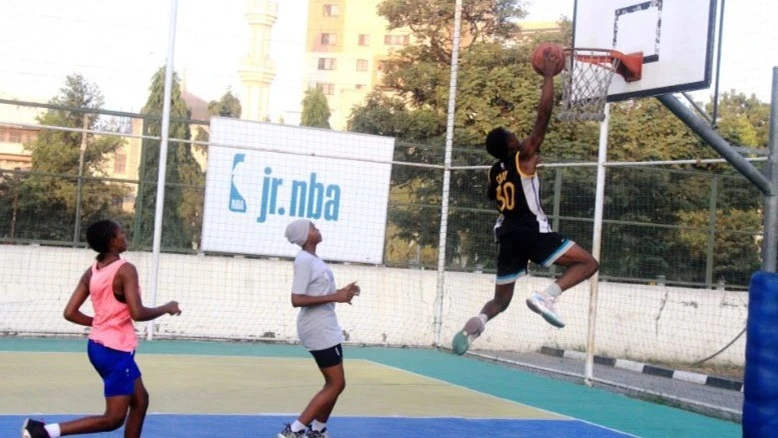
[
  {"x": 544, "y": 306},
  {"x": 472, "y": 330}
]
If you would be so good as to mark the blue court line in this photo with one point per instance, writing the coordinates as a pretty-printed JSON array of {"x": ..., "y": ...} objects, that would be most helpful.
[{"x": 253, "y": 426}]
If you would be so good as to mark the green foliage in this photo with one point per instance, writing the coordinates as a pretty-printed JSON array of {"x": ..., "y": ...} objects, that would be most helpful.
[
  {"x": 496, "y": 86},
  {"x": 744, "y": 121},
  {"x": 184, "y": 179},
  {"x": 227, "y": 106},
  {"x": 316, "y": 110},
  {"x": 44, "y": 202}
]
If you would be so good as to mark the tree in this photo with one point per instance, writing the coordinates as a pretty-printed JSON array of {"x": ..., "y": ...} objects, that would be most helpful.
[
  {"x": 744, "y": 121},
  {"x": 496, "y": 86},
  {"x": 44, "y": 202},
  {"x": 227, "y": 106},
  {"x": 182, "y": 211},
  {"x": 316, "y": 110}
]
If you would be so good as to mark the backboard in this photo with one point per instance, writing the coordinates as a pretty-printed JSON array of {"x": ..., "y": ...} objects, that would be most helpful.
[{"x": 675, "y": 36}]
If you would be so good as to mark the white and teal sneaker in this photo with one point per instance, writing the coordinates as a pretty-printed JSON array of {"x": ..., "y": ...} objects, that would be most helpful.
[
  {"x": 544, "y": 306},
  {"x": 462, "y": 340}
]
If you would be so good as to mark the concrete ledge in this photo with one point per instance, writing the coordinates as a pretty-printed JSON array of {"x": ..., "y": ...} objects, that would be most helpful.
[{"x": 638, "y": 367}]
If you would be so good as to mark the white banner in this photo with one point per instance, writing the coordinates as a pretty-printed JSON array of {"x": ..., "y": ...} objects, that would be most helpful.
[{"x": 254, "y": 189}]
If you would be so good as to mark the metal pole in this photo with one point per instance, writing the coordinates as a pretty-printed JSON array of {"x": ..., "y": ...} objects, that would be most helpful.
[
  {"x": 770, "y": 242},
  {"x": 718, "y": 67},
  {"x": 714, "y": 140},
  {"x": 77, "y": 227},
  {"x": 714, "y": 195},
  {"x": 452, "y": 94},
  {"x": 599, "y": 205},
  {"x": 159, "y": 206},
  {"x": 556, "y": 209},
  {"x": 17, "y": 184}
]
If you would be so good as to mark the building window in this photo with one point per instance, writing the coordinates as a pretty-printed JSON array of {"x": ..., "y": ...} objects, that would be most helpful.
[
  {"x": 327, "y": 89},
  {"x": 360, "y": 86},
  {"x": 364, "y": 39},
  {"x": 331, "y": 11},
  {"x": 396, "y": 40},
  {"x": 3, "y": 134},
  {"x": 327, "y": 63},
  {"x": 329, "y": 39},
  {"x": 120, "y": 163},
  {"x": 361, "y": 64},
  {"x": 14, "y": 136}
]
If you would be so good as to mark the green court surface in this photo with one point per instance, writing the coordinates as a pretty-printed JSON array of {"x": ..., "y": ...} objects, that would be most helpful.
[{"x": 246, "y": 381}]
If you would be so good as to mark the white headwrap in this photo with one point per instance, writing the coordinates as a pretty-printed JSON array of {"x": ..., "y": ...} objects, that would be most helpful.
[{"x": 297, "y": 231}]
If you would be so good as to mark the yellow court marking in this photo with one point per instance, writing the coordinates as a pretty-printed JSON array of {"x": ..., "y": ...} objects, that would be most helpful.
[{"x": 65, "y": 383}]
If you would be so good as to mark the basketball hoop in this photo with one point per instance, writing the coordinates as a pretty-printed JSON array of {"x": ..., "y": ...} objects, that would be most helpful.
[{"x": 587, "y": 77}]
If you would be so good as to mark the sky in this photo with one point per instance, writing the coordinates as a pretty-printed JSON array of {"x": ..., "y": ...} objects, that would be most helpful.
[{"x": 119, "y": 45}]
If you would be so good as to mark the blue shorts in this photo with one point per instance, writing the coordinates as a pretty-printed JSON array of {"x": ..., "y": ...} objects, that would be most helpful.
[{"x": 117, "y": 368}]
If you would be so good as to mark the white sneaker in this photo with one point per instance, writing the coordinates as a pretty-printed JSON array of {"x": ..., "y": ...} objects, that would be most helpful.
[
  {"x": 544, "y": 306},
  {"x": 472, "y": 330}
]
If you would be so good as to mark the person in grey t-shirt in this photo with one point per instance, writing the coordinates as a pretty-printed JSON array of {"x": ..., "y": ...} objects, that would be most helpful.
[{"x": 314, "y": 291}]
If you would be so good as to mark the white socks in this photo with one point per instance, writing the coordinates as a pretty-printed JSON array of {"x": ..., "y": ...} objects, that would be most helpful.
[
  {"x": 297, "y": 426},
  {"x": 553, "y": 290},
  {"x": 53, "y": 430},
  {"x": 318, "y": 426},
  {"x": 484, "y": 318}
]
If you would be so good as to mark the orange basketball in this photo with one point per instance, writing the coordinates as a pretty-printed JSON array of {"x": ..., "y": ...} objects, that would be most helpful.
[{"x": 538, "y": 57}]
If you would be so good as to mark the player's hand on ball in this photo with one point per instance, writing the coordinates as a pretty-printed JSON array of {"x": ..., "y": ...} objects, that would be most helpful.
[
  {"x": 552, "y": 62},
  {"x": 172, "y": 308}
]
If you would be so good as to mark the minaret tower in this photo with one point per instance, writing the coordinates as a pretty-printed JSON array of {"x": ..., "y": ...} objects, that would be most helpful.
[{"x": 257, "y": 70}]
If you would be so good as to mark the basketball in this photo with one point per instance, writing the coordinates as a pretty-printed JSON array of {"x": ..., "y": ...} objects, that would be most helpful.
[{"x": 538, "y": 57}]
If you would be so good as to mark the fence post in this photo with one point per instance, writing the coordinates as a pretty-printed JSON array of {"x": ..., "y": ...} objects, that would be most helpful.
[
  {"x": 80, "y": 183},
  {"x": 556, "y": 208},
  {"x": 714, "y": 194},
  {"x": 452, "y": 95},
  {"x": 599, "y": 206}
]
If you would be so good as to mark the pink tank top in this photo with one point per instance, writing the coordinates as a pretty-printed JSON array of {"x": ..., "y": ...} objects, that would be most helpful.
[{"x": 112, "y": 324}]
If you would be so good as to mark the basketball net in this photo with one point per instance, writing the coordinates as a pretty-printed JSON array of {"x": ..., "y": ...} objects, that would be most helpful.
[{"x": 587, "y": 77}]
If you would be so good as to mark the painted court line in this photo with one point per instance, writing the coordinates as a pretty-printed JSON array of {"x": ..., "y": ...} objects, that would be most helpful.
[{"x": 506, "y": 400}]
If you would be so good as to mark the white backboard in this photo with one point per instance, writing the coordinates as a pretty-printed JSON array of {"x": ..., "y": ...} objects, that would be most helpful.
[{"x": 675, "y": 36}]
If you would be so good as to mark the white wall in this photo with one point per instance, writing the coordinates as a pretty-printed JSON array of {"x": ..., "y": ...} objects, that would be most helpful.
[{"x": 241, "y": 298}]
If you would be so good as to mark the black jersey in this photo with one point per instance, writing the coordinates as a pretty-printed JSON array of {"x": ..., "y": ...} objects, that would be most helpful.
[{"x": 517, "y": 196}]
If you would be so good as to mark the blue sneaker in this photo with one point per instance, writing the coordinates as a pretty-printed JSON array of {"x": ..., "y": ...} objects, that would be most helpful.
[
  {"x": 544, "y": 306},
  {"x": 462, "y": 340}
]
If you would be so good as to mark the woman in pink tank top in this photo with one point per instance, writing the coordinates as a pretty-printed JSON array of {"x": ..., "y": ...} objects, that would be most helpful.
[{"x": 111, "y": 284}]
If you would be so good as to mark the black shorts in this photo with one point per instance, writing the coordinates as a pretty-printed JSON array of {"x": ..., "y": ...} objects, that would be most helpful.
[
  {"x": 329, "y": 357},
  {"x": 517, "y": 248}
]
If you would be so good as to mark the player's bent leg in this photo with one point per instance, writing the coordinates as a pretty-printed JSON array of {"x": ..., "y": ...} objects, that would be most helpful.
[
  {"x": 139, "y": 404},
  {"x": 555, "y": 249},
  {"x": 113, "y": 418},
  {"x": 580, "y": 266}
]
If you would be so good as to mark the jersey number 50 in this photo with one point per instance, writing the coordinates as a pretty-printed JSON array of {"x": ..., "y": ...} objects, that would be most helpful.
[{"x": 505, "y": 196}]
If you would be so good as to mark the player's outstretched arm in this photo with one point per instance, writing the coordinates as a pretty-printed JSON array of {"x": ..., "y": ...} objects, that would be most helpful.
[
  {"x": 531, "y": 145},
  {"x": 129, "y": 279},
  {"x": 73, "y": 308}
]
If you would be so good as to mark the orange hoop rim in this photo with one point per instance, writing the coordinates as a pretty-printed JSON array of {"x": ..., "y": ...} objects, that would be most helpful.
[{"x": 629, "y": 65}]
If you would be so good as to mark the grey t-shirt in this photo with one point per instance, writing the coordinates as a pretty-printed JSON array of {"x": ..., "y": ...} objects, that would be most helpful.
[{"x": 317, "y": 326}]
